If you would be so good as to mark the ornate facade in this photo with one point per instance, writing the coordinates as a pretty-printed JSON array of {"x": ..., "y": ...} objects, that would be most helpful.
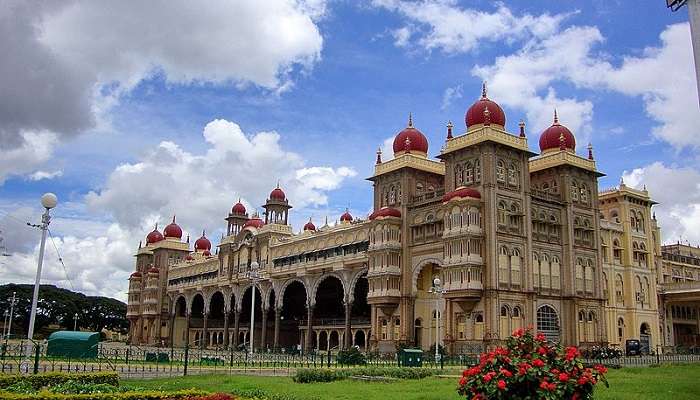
[{"x": 517, "y": 239}]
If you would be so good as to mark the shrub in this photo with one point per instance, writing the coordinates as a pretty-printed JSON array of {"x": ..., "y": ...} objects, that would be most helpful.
[
  {"x": 330, "y": 375},
  {"x": 351, "y": 356},
  {"x": 530, "y": 368},
  {"x": 56, "y": 378},
  {"x": 601, "y": 353},
  {"x": 140, "y": 395}
]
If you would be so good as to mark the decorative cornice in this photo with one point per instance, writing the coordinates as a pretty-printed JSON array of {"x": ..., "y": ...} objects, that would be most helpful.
[
  {"x": 562, "y": 157},
  {"x": 409, "y": 160},
  {"x": 485, "y": 133}
]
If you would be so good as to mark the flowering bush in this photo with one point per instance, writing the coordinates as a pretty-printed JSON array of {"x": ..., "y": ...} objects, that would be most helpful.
[
  {"x": 602, "y": 353},
  {"x": 530, "y": 368}
]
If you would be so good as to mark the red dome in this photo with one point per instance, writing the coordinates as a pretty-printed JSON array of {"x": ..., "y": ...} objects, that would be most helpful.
[
  {"x": 553, "y": 136},
  {"x": 153, "y": 270},
  {"x": 385, "y": 212},
  {"x": 309, "y": 226},
  {"x": 206, "y": 253},
  {"x": 254, "y": 223},
  {"x": 346, "y": 217},
  {"x": 277, "y": 194},
  {"x": 154, "y": 236},
  {"x": 189, "y": 257},
  {"x": 173, "y": 230},
  {"x": 410, "y": 139},
  {"x": 238, "y": 208},
  {"x": 461, "y": 193},
  {"x": 136, "y": 274},
  {"x": 476, "y": 114},
  {"x": 202, "y": 243}
]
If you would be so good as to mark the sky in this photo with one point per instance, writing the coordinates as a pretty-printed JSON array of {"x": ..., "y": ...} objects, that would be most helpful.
[{"x": 134, "y": 112}]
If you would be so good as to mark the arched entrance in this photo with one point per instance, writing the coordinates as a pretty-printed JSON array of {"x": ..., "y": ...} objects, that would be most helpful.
[
  {"x": 179, "y": 331},
  {"x": 215, "y": 320},
  {"x": 425, "y": 306},
  {"x": 293, "y": 313},
  {"x": 644, "y": 338},
  {"x": 417, "y": 331},
  {"x": 360, "y": 340},
  {"x": 197, "y": 318}
]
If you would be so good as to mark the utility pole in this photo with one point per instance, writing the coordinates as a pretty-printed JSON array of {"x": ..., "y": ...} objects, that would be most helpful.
[
  {"x": 75, "y": 321},
  {"x": 13, "y": 301}
]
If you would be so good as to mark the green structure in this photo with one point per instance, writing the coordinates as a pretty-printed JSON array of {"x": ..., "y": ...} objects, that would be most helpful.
[
  {"x": 73, "y": 344},
  {"x": 411, "y": 357}
]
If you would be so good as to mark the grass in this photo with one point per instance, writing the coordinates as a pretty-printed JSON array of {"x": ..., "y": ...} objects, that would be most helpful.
[{"x": 666, "y": 382}]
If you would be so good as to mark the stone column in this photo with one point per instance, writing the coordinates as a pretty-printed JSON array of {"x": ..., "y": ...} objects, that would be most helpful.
[
  {"x": 204, "y": 338},
  {"x": 347, "y": 337},
  {"x": 278, "y": 315},
  {"x": 187, "y": 328},
  {"x": 309, "y": 318},
  {"x": 171, "y": 330},
  {"x": 236, "y": 326},
  {"x": 226, "y": 329},
  {"x": 263, "y": 332}
]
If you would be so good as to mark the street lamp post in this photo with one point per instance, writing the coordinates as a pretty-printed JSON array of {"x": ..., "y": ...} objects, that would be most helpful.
[
  {"x": 4, "y": 325},
  {"x": 49, "y": 201},
  {"x": 254, "y": 276},
  {"x": 75, "y": 321},
  {"x": 438, "y": 291},
  {"x": 13, "y": 301}
]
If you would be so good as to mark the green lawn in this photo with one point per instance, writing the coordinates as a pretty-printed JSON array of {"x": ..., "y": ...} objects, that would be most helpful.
[{"x": 669, "y": 382}]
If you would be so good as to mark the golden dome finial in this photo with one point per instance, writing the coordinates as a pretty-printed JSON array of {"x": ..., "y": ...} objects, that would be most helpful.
[
  {"x": 410, "y": 120},
  {"x": 483, "y": 90},
  {"x": 556, "y": 117}
]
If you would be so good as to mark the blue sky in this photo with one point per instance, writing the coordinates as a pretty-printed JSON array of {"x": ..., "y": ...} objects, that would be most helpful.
[{"x": 182, "y": 111}]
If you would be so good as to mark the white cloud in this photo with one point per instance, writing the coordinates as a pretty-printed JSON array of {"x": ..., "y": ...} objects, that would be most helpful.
[
  {"x": 677, "y": 189},
  {"x": 449, "y": 95},
  {"x": 39, "y": 175},
  {"x": 201, "y": 189},
  {"x": 34, "y": 150},
  {"x": 663, "y": 77},
  {"x": 445, "y": 26},
  {"x": 84, "y": 55}
]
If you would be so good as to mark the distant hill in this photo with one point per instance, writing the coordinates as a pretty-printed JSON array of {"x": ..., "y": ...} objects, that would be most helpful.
[{"x": 58, "y": 306}]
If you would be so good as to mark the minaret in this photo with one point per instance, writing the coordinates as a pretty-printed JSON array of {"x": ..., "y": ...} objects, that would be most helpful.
[{"x": 277, "y": 207}]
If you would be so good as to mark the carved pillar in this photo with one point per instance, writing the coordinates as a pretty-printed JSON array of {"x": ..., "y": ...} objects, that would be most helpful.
[
  {"x": 278, "y": 315},
  {"x": 263, "y": 333},
  {"x": 236, "y": 326},
  {"x": 187, "y": 328},
  {"x": 309, "y": 318},
  {"x": 205, "y": 332},
  {"x": 226, "y": 341},
  {"x": 347, "y": 336}
]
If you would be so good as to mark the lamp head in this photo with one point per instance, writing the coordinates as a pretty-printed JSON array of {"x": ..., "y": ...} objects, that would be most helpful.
[
  {"x": 49, "y": 200},
  {"x": 254, "y": 265},
  {"x": 437, "y": 282}
]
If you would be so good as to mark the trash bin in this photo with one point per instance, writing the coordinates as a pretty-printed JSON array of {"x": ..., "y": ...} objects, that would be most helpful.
[{"x": 411, "y": 358}]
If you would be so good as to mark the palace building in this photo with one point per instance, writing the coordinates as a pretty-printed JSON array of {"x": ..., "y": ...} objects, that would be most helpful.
[{"x": 517, "y": 239}]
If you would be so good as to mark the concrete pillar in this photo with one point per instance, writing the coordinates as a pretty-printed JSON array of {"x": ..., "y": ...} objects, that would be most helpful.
[
  {"x": 263, "y": 333},
  {"x": 236, "y": 327},
  {"x": 346, "y": 337},
  {"x": 171, "y": 330},
  {"x": 278, "y": 315},
  {"x": 205, "y": 332},
  {"x": 226, "y": 342},
  {"x": 187, "y": 328}
]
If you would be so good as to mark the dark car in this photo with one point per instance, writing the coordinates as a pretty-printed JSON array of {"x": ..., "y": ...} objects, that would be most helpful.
[{"x": 633, "y": 347}]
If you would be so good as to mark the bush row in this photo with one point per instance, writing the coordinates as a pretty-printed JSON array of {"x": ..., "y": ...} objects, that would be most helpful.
[
  {"x": 329, "y": 375},
  {"x": 56, "y": 378},
  {"x": 135, "y": 395}
]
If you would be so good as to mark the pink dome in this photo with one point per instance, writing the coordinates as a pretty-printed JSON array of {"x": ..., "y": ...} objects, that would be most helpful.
[
  {"x": 154, "y": 236},
  {"x": 461, "y": 193},
  {"x": 309, "y": 226},
  {"x": 173, "y": 230},
  {"x": 557, "y": 135},
  {"x": 202, "y": 243},
  {"x": 410, "y": 139},
  {"x": 254, "y": 222},
  {"x": 135, "y": 275},
  {"x": 476, "y": 114},
  {"x": 238, "y": 208},
  {"x": 346, "y": 217},
  {"x": 277, "y": 194},
  {"x": 153, "y": 270},
  {"x": 206, "y": 253},
  {"x": 385, "y": 212}
]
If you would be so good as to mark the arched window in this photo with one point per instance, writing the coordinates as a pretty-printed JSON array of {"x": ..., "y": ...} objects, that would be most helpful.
[
  {"x": 588, "y": 274},
  {"x": 638, "y": 290},
  {"x": 574, "y": 191},
  {"x": 647, "y": 290},
  {"x": 501, "y": 171},
  {"x": 515, "y": 268},
  {"x": 617, "y": 251},
  {"x": 581, "y": 326},
  {"x": 536, "y": 270},
  {"x": 461, "y": 327},
  {"x": 512, "y": 174},
  {"x": 505, "y": 322},
  {"x": 468, "y": 173},
  {"x": 516, "y": 318},
  {"x": 503, "y": 266},
  {"x": 459, "y": 175},
  {"x": 584, "y": 193},
  {"x": 545, "y": 272},
  {"x": 579, "y": 275},
  {"x": 501, "y": 213},
  {"x": 619, "y": 287},
  {"x": 591, "y": 327},
  {"x": 620, "y": 329},
  {"x": 640, "y": 222},
  {"x": 548, "y": 322},
  {"x": 606, "y": 290},
  {"x": 556, "y": 274},
  {"x": 478, "y": 326}
]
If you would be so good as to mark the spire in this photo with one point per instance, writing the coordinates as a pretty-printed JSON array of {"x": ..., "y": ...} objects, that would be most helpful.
[
  {"x": 379, "y": 155},
  {"x": 562, "y": 141},
  {"x": 590, "y": 151},
  {"x": 449, "y": 130},
  {"x": 156, "y": 228},
  {"x": 278, "y": 184},
  {"x": 140, "y": 244},
  {"x": 326, "y": 224},
  {"x": 173, "y": 218},
  {"x": 487, "y": 115},
  {"x": 202, "y": 232},
  {"x": 622, "y": 181},
  {"x": 410, "y": 120},
  {"x": 556, "y": 117},
  {"x": 188, "y": 238},
  {"x": 483, "y": 90},
  {"x": 521, "y": 124}
]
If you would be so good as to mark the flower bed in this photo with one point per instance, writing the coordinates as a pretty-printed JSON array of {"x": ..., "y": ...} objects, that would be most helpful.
[
  {"x": 330, "y": 375},
  {"x": 530, "y": 368}
]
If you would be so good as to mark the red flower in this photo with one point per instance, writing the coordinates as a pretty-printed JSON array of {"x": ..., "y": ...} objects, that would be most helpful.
[
  {"x": 540, "y": 337},
  {"x": 601, "y": 369},
  {"x": 463, "y": 381},
  {"x": 542, "y": 351},
  {"x": 538, "y": 363},
  {"x": 563, "y": 377},
  {"x": 582, "y": 380},
  {"x": 501, "y": 384},
  {"x": 518, "y": 333}
]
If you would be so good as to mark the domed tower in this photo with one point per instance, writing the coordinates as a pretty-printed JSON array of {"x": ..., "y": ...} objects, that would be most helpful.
[
  {"x": 277, "y": 207},
  {"x": 236, "y": 218}
]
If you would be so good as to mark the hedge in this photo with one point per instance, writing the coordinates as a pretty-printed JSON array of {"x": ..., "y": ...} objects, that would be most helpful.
[
  {"x": 329, "y": 375},
  {"x": 134, "y": 395},
  {"x": 56, "y": 378}
]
